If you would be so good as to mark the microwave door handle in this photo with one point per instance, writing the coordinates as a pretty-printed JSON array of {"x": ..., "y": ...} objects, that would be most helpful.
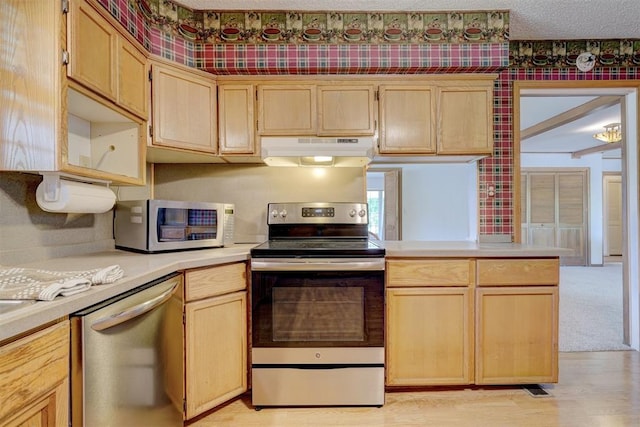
[{"x": 132, "y": 312}]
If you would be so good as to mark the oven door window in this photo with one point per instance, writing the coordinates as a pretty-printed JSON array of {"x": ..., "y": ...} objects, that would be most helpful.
[
  {"x": 318, "y": 314},
  {"x": 322, "y": 309}
]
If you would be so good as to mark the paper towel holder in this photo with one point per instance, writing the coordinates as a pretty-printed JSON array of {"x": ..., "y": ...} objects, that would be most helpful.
[{"x": 51, "y": 183}]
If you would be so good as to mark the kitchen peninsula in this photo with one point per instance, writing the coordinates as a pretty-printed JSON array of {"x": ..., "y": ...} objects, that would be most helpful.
[{"x": 457, "y": 312}]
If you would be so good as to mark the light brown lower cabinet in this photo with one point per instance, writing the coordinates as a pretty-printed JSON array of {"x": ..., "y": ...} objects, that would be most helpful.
[
  {"x": 216, "y": 357},
  {"x": 429, "y": 336},
  {"x": 517, "y": 335},
  {"x": 215, "y": 336},
  {"x": 472, "y": 321},
  {"x": 34, "y": 379}
]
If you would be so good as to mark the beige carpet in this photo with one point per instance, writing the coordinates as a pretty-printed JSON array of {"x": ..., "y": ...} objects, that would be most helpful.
[{"x": 591, "y": 308}]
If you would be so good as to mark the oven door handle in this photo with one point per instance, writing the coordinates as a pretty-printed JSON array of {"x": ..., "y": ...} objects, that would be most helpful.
[{"x": 318, "y": 264}]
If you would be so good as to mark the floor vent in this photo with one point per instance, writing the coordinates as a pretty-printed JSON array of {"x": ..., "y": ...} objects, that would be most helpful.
[{"x": 536, "y": 391}]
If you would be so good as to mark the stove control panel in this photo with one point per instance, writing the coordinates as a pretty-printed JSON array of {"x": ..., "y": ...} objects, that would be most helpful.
[
  {"x": 327, "y": 212},
  {"x": 317, "y": 213}
]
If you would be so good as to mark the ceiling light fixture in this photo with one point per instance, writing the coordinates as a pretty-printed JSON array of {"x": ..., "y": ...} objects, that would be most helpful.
[{"x": 612, "y": 133}]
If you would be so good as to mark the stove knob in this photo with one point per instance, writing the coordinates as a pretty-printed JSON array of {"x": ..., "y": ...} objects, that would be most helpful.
[
  {"x": 274, "y": 213},
  {"x": 362, "y": 213},
  {"x": 352, "y": 213},
  {"x": 283, "y": 213}
]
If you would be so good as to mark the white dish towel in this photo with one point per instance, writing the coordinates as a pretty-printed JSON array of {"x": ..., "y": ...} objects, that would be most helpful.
[{"x": 45, "y": 285}]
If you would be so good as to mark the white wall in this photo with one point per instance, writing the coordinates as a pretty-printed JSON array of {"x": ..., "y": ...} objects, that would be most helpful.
[{"x": 439, "y": 201}]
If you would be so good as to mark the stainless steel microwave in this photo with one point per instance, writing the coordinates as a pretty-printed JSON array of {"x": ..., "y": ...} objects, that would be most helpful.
[{"x": 166, "y": 225}]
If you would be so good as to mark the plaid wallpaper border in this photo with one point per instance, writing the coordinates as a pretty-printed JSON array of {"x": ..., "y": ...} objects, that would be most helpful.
[
  {"x": 496, "y": 213},
  {"x": 350, "y": 59}
]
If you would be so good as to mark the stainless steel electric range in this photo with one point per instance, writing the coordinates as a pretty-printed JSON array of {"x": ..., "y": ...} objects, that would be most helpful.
[{"x": 317, "y": 297}]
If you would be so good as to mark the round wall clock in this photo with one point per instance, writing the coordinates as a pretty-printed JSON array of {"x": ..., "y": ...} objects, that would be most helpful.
[{"x": 585, "y": 61}]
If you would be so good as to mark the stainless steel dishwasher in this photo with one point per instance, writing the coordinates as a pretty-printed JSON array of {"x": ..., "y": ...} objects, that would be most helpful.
[{"x": 126, "y": 359}]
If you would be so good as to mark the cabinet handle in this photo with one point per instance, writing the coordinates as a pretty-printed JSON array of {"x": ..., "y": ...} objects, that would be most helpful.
[
  {"x": 65, "y": 57},
  {"x": 65, "y": 6}
]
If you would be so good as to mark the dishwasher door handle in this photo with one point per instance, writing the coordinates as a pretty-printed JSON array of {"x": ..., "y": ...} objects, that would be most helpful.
[{"x": 132, "y": 312}]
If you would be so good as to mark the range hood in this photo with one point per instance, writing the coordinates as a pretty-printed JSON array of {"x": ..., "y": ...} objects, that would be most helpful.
[{"x": 314, "y": 152}]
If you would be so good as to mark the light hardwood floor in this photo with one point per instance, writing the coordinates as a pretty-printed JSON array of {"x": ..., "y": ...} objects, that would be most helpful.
[{"x": 594, "y": 389}]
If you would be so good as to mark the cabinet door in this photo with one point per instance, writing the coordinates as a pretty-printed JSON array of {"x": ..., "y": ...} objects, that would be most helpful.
[
  {"x": 133, "y": 86},
  {"x": 465, "y": 119},
  {"x": 93, "y": 45},
  {"x": 345, "y": 110},
  {"x": 287, "y": 110},
  {"x": 30, "y": 85},
  {"x": 184, "y": 110},
  {"x": 216, "y": 351},
  {"x": 429, "y": 336},
  {"x": 407, "y": 120},
  {"x": 236, "y": 119},
  {"x": 34, "y": 373},
  {"x": 517, "y": 335}
]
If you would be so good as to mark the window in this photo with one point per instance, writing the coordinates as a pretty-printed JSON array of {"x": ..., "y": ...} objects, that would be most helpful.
[{"x": 375, "y": 199}]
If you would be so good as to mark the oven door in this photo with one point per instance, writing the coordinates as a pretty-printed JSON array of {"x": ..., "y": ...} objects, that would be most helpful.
[{"x": 306, "y": 302}]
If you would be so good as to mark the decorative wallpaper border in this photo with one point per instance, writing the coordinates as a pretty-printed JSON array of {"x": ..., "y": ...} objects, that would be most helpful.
[
  {"x": 563, "y": 54},
  {"x": 295, "y": 27}
]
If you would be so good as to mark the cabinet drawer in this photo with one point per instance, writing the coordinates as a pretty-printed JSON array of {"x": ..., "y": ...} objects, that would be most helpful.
[
  {"x": 430, "y": 272},
  {"x": 518, "y": 272},
  {"x": 212, "y": 281}
]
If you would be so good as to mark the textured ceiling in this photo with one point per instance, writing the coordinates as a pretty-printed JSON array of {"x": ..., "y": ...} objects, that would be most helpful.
[{"x": 530, "y": 19}]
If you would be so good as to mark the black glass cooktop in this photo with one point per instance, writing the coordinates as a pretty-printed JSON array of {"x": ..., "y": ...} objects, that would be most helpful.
[{"x": 320, "y": 248}]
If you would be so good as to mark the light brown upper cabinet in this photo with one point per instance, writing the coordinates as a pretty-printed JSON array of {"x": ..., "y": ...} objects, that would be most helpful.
[
  {"x": 236, "y": 119},
  {"x": 346, "y": 110},
  {"x": 133, "y": 81},
  {"x": 287, "y": 109},
  {"x": 103, "y": 60},
  {"x": 78, "y": 124},
  {"x": 183, "y": 108},
  {"x": 300, "y": 109},
  {"x": 465, "y": 118},
  {"x": 444, "y": 117},
  {"x": 407, "y": 119}
]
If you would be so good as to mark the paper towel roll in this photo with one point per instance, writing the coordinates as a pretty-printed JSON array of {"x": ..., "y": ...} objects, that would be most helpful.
[{"x": 77, "y": 197}]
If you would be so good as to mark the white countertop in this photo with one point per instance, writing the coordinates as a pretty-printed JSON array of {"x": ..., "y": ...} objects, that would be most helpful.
[
  {"x": 143, "y": 268},
  {"x": 409, "y": 248},
  {"x": 138, "y": 270}
]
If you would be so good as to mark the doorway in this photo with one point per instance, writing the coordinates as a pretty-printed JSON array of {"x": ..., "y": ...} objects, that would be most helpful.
[
  {"x": 384, "y": 196},
  {"x": 612, "y": 216},
  {"x": 627, "y": 92}
]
